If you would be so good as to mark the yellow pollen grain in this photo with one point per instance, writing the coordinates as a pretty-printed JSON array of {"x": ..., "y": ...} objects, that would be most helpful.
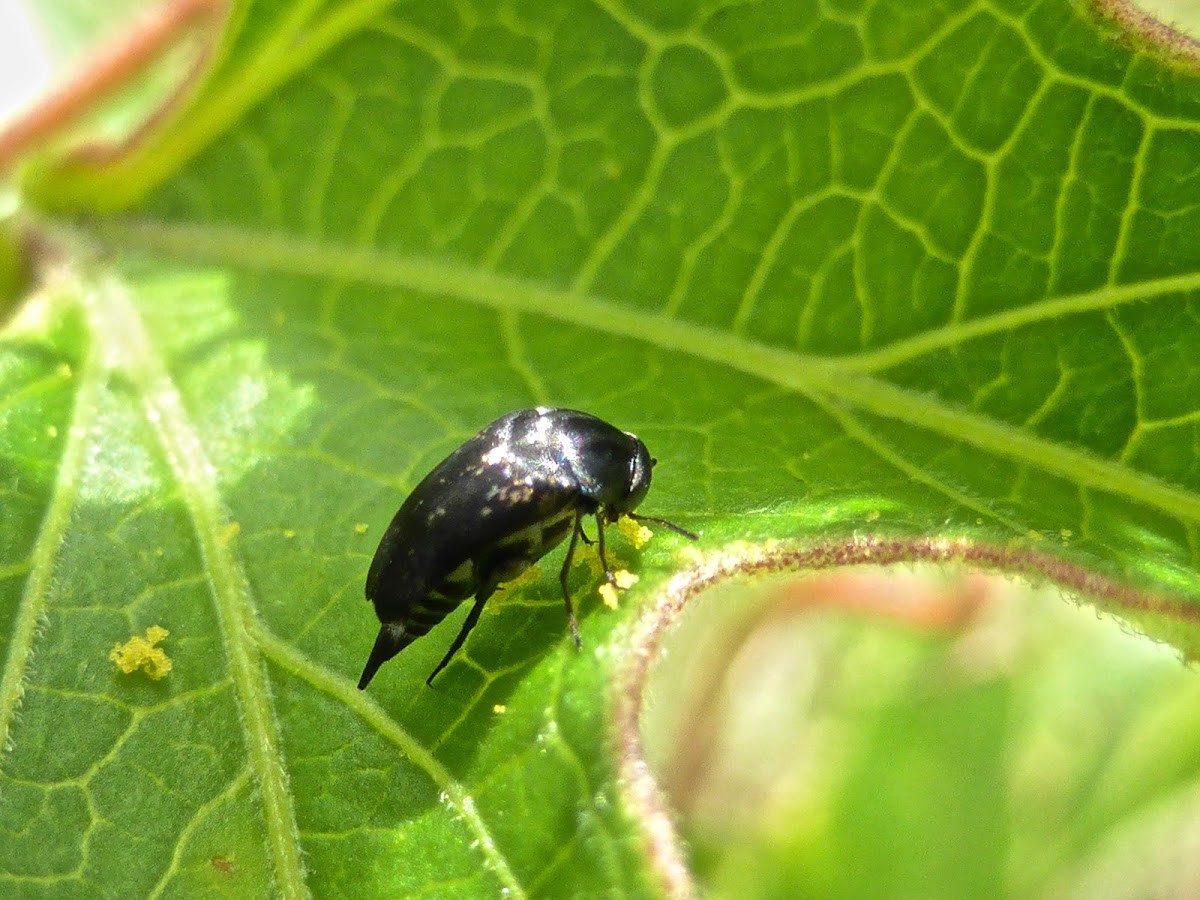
[
  {"x": 608, "y": 593},
  {"x": 141, "y": 653},
  {"x": 636, "y": 533}
]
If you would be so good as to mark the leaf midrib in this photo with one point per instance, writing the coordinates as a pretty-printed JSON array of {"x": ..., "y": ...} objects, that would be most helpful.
[
  {"x": 838, "y": 378},
  {"x": 118, "y": 332}
]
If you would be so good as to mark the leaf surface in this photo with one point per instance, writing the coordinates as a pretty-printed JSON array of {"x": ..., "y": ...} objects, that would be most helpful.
[{"x": 923, "y": 275}]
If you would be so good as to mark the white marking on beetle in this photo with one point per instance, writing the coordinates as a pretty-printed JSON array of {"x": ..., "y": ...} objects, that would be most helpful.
[{"x": 496, "y": 455}]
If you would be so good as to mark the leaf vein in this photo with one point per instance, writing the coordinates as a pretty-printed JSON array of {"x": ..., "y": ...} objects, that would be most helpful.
[
  {"x": 288, "y": 657},
  {"x": 835, "y": 377},
  {"x": 46, "y": 546}
]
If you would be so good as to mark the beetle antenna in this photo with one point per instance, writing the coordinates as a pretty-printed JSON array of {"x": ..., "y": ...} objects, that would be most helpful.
[{"x": 665, "y": 524}]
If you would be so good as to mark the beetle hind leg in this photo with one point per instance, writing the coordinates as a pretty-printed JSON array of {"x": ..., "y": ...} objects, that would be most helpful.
[{"x": 468, "y": 624}]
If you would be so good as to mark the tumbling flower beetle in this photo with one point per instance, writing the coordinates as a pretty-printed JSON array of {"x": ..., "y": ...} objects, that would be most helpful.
[{"x": 494, "y": 507}]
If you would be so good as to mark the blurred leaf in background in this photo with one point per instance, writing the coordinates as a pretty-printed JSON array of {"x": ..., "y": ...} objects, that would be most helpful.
[{"x": 985, "y": 741}]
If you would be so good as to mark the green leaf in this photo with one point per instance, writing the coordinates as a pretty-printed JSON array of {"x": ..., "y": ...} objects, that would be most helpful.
[
  {"x": 874, "y": 282},
  {"x": 994, "y": 744}
]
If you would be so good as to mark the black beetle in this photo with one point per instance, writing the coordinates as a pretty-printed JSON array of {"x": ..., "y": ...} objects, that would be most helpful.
[{"x": 494, "y": 507}]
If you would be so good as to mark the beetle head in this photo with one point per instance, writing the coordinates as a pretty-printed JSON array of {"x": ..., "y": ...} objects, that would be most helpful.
[{"x": 637, "y": 483}]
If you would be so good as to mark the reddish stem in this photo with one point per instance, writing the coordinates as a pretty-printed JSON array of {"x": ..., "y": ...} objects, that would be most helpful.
[{"x": 112, "y": 68}]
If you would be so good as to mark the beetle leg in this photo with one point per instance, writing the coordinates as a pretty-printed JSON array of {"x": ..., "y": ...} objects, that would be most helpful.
[
  {"x": 469, "y": 623},
  {"x": 608, "y": 575},
  {"x": 566, "y": 573}
]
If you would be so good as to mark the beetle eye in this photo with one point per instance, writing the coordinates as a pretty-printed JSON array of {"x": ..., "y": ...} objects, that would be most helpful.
[{"x": 653, "y": 462}]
